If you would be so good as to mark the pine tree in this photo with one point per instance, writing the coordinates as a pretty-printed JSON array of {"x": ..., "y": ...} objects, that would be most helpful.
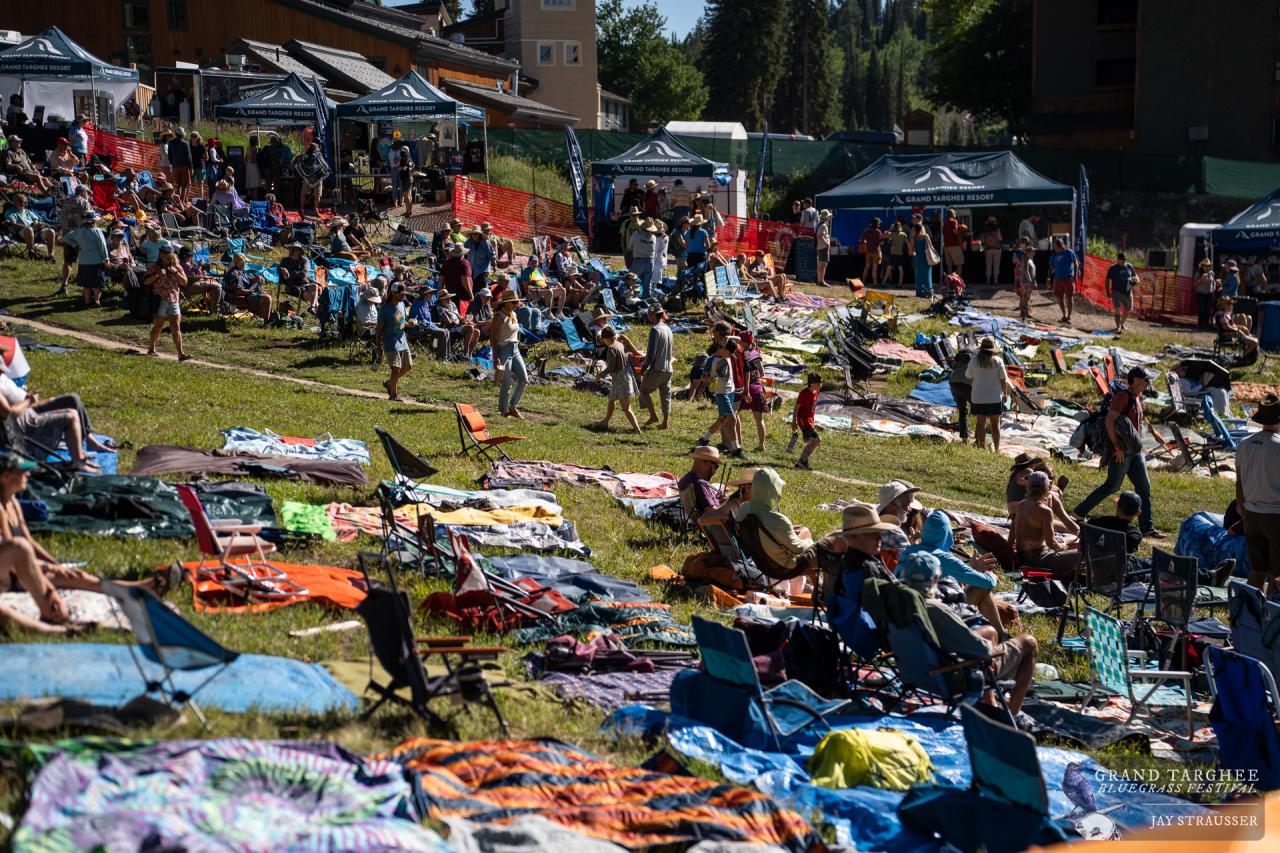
[
  {"x": 746, "y": 41},
  {"x": 454, "y": 8},
  {"x": 806, "y": 92},
  {"x": 854, "y": 94},
  {"x": 874, "y": 85},
  {"x": 900, "y": 91},
  {"x": 886, "y": 79}
]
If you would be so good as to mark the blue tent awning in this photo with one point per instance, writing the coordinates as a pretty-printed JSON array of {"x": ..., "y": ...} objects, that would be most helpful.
[
  {"x": 51, "y": 55},
  {"x": 291, "y": 101},
  {"x": 409, "y": 97},
  {"x": 967, "y": 179},
  {"x": 1255, "y": 227}
]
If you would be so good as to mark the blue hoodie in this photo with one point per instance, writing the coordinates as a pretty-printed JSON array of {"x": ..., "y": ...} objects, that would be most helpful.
[{"x": 936, "y": 539}]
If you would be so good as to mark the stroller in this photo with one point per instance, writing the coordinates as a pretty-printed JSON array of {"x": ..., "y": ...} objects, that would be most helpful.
[{"x": 951, "y": 292}]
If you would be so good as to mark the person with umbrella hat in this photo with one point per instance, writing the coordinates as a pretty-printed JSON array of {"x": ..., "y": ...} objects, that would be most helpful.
[
  {"x": 505, "y": 334},
  {"x": 1258, "y": 494}
]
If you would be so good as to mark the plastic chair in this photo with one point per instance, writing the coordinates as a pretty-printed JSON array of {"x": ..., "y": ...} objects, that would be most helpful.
[
  {"x": 789, "y": 708},
  {"x": 170, "y": 641},
  {"x": 473, "y": 434},
  {"x": 1109, "y": 656}
]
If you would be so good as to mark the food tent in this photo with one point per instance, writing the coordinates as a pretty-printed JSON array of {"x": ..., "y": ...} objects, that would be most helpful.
[
  {"x": 291, "y": 101},
  {"x": 661, "y": 155},
  {"x": 951, "y": 179},
  {"x": 410, "y": 97},
  {"x": 1256, "y": 228},
  {"x": 51, "y": 70}
]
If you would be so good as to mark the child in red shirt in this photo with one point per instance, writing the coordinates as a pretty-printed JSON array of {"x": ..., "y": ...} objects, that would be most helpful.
[{"x": 803, "y": 419}]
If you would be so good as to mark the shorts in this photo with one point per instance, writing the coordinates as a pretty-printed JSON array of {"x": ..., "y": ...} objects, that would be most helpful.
[
  {"x": 824, "y": 255},
  {"x": 987, "y": 409},
  {"x": 70, "y": 254},
  {"x": 91, "y": 276},
  {"x": 874, "y": 257},
  {"x": 809, "y": 432},
  {"x": 694, "y": 258},
  {"x": 1262, "y": 541},
  {"x": 896, "y": 261},
  {"x": 400, "y": 358},
  {"x": 954, "y": 255},
  {"x": 169, "y": 309},
  {"x": 181, "y": 176},
  {"x": 1064, "y": 287},
  {"x": 198, "y": 175},
  {"x": 724, "y": 404},
  {"x": 1122, "y": 300},
  {"x": 753, "y": 401},
  {"x": 1007, "y": 664}
]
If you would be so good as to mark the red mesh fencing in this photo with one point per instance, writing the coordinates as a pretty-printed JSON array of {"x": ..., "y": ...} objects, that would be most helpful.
[
  {"x": 513, "y": 213},
  {"x": 125, "y": 152},
  {"x": 1161, "y": 296},
  {"x": 746, "y": 235}
]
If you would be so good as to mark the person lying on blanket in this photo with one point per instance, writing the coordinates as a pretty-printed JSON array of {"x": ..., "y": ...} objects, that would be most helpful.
[
  {"x": 1013, "y": 658},
  {"x": 25, "y": 566}
]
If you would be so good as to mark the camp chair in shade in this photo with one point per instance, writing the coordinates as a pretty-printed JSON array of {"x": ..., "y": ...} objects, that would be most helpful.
[
  {"x": 387, "y": 614},
  {"x": 722, "y": 539},
  {"x": 169, "y": 641},
  {"x": 406, "y": 464},
  {"x": 574, "y": 340},
  {"x": 1104, "y": 559},
  {"x": 473, "y": 434},
  {"x": 789, "y": 708},
  {"x": 1245, "y": 704},
  {"x": 1109, "y": 656},
  {"x": 1174, "y": 585},
  {"x": 221, "y": 540},
  {"x": 1007, "y": 791}
]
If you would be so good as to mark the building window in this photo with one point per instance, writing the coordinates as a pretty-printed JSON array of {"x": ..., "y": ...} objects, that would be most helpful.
[
  {"x": 546, "y": 53},
  {"x": 1115, "y": 73},
  {"x": 177, "y": 13},
  {"x": 1117, "y": 13},
  {"x": 572, "y": 53},
  {"x": 137, "y": 50},
  {"x": 558, "y": 5},
  {"x": 378, "y": 62},
  {"x": 137, "y": 14}
]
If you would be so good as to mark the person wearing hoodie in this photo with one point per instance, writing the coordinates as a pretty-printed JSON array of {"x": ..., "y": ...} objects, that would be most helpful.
[
  {"x": 789, "y": 546},
  {"x": 977, "y": 575}
]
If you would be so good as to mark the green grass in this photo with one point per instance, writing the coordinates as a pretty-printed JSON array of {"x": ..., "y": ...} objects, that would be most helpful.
[{"x": 143, "y": 401}]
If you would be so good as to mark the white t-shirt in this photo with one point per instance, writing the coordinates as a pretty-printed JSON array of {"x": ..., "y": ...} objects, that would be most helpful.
[
  {"x": 987, "y": 381},
  {"x": 10, "y": 391},
  {"x": 1258, "y": 466}
]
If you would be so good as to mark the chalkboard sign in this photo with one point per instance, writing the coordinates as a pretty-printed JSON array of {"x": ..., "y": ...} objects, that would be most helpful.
[{"x": 806, "y": 259}]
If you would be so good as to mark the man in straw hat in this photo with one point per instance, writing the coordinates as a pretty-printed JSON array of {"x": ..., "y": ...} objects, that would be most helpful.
[
  {"x": 698, "y": 241},
  {"x": 697, "y": 495},
  {"x": 633, "y": 220},
  {"x": 740, "y": 483},
  {"x": 455, "y": 273},
  {"x": 1014, "y": 659},
  {"x": 643, "y": 245},
  {"x": 447, "y": 317},
  {"x": 1258, "y": 494}
]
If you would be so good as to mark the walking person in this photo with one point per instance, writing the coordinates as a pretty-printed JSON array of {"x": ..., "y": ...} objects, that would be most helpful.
[
  {"x": 952, "y": 246},
  {"x": 622, "y": 379},
  {"x": 1206, "y": 285},
  {"x": 719, "y": 370},
  {"x": 1066, "y": 269},
  {"x": 871, "y": 240},
  {"x": 804, "y": 419},
  {"x": 1121, "y": 277},
  {"x": 1024, "y": 264},
  {"x": 661, "y": 242},
  {"x": 925, "y": 259},
  {"x": 166, "y": 280},
  {"x": 990, "y": 388},
  {"x": 992, "y": 249},
  {"x": 822, "y": 242},
  {"x": 1258, "y": 494},
  {"x": 391, "y": 339},
  {"x": 1123, "y": 425},
  {"x": 505, "y": 336},
  {"x": 657, "y": 367},
  {"x": 91, "y": 256},
  {"x": 962, "y": 389},
  {"x": 753, "y": 399}
]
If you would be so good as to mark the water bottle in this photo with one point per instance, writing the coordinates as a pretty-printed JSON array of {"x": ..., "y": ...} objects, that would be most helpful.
[{"x": 795, "y": 439}]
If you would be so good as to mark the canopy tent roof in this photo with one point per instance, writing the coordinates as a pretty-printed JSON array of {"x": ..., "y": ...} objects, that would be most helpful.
[
  {"x": 660, "y": 154},
  {"x": 409, "y": 97},
  {"x": 291, "y": 101},
  {"x": 969, "y": 179},
  {"x": 1255, "y": 227},
  {"x": 51, "y": 55}
]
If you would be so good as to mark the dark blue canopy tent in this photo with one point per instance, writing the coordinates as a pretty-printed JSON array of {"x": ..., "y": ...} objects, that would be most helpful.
[
  {"x": 1256, "y": 228},
  {"x": 291, "y": 101},
  {"x": 47, "y": 68},
  {"x": 952, "y": 178}
]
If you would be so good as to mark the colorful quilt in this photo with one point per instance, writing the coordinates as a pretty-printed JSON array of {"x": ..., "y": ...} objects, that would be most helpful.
[
  {"x": 228, "y": 794},
  {"x": 327, "y": 585},
  {"x": 499, "y": 781}
]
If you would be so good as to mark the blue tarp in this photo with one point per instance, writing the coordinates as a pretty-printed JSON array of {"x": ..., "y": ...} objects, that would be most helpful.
[
  {"x": 937, "y": 393},
  {"x": 1202, "y": 536},
  {"x": 867, "y": 817},
  {"x": 574, "y": 579},
  {"x": 105, "y": 674}
]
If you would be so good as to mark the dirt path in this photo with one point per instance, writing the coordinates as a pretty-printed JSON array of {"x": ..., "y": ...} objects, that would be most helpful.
[{"x": 119, "y": 346}]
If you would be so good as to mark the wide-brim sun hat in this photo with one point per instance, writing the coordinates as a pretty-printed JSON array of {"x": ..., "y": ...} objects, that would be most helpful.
[
  {"x": 893, "y": 490},
  {"x": 1268, "y": 411},
  {"x": 860, "y": 518},
  {"x": 706, "y": 453}
]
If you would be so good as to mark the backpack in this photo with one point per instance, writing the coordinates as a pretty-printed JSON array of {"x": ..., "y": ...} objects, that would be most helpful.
[
  {"x": 709, "y": 567},
  {"x": 1092, "y": 435}
]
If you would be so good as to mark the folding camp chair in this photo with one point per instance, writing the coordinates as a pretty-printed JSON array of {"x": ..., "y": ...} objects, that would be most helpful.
[
  {"x": 1250, "y": 616},
  {"x": 1174, "y": 583},
  {"x": 1109, "y": 656},
  {"x": 169, "y": 641},
  {"x": 725, "y": 543},
  {"x": 789, "y": 708},
  {"x": 494, "y": 603},
  {"x": 388, "y": 616},
  {"x": 577, "y": 346},
  {"x": 226, "y": 538},
  {"x": 473, "y": 434},
  {"x": 1245, "y": 705},
  {"x": 172, "y": 228},
  {"x": 1104, "y": 559},
  {"x": 407, "y": 465},
  {"x": 1007, "y": 790}
]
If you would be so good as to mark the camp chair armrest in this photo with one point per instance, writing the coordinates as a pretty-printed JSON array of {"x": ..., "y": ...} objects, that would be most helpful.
[
  {"x": 1035, "y": 573},
  {"x": 795, "y": 703},
  {"x": 965, "y": 664},
  {"x": 464, "y": 651},
  {"x": 443, "y": 641},
  {"x": 1159, "y": 673},
  {"x": 232, "y": 525}
]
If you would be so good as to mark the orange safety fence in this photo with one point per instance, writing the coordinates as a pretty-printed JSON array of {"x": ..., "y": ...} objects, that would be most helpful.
[
  {"x": 123, "y": 151},
  {"x": 513, "y": 213},
  {"x": 1160, "y": 295},
  {"x": 746, "y": 235}
]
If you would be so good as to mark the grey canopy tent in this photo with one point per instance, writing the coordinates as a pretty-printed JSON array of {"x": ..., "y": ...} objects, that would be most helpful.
[
  {"x": 962, "y": 179},
  {"x": 291, "y": 101},
  {"x": 659, "y": 155},
  {"x": 46, "y": 69}
]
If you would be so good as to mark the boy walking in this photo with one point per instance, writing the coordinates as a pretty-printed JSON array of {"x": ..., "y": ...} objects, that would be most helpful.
[
  {"x": 720, "y": 372},
  {"x": 804, "y": 419}
]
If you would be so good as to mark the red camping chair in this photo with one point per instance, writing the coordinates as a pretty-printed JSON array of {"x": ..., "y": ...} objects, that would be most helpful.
[
  {"x": 473, "y": 434},
  {"x": 220, "y": 540}
]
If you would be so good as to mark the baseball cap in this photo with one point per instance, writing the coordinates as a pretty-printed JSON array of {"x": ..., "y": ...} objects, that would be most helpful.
[
  {"x": 1129, "y": 503},
  {"x": 919, "y": 569},
  {"x": 14, "y": 462},
  {"x": 396, "y": 287},
  {"x": 1139, "y": 373},
  {"x": 1038, "y": 478}
]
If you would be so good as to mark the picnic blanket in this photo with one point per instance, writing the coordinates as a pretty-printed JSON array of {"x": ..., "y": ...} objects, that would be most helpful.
[
  {"x": 307, "y": 518},
  {"x": 631, "y": 622},
  {"x": 241, "y": 439},
  {"x": 867, "y": 817},
  {"x": 510, "y": 473},
  {"x": 574, "y": 579},
  {"x": 172, "y": 459},
  {"x": 85, "y": 608},
  {"x": 105, "y": 674},
  {"x": 893, "y": 349},
  {"x": 226, "y": 794},
  {"x": 327, "y": 585},
  {"x": 496, "y": 781},
  {"x": 613, "y": 690}
]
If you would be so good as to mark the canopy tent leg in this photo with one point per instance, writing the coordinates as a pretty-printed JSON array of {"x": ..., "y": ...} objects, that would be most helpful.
[{"x": 485, "y": 130}]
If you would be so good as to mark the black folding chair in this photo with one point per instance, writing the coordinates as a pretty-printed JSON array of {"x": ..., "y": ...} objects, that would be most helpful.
[
  {"x": 1104, "y": 562},
  {"x": 406, "y": 464},
  {"x": 1175, "y": 581}
]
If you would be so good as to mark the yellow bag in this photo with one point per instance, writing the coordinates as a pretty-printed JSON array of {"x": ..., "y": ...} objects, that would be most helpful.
[{"x": 882, "y": 758}]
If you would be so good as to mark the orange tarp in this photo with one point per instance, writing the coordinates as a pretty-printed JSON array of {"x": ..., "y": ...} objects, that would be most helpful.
[{"x": 328, "y": 585}]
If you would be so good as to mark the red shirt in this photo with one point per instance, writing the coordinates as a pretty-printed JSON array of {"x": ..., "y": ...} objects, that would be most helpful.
[
  {"x": 455, "y": 277},
  {"x": 651, "y": 202},
  {"x": 1125, "y": 404},
  {"x": 951, "y": 232},
  {"x": 805, "y": 405}
]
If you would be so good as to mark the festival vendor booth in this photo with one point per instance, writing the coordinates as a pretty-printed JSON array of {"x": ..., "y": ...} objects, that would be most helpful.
[
  {"x": 661, "y": 158},
  {"x": 978, "y": 185},
  {"x": 420, "y": 107},
  {"x": 1253, "y": 236},
  {"x": 52, "y": 72}
]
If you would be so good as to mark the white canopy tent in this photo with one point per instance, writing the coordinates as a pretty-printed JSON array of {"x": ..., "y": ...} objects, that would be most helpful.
[{"x": 52, "y": 71}]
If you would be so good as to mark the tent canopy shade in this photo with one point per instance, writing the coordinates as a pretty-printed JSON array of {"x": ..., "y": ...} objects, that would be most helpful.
[
  {"x": 963, "y": 179},
  {"x": 409, "y": 97},
  {"x": 659, "y": 155},
  {"x": 51, "y": 55},
  {"x": 291, "y": 101},
  {"x": 1255, "y": 227}
]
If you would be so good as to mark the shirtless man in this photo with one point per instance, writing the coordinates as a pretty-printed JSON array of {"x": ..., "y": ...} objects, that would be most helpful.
[
  {"x": 1016, "y": 492},
  {"x": 1032, "y": 532}
]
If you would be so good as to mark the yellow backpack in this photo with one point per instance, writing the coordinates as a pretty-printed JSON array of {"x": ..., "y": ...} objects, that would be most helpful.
[{"x": 882, "y": 758}]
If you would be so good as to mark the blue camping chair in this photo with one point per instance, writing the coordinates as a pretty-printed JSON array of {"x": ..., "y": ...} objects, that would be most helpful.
[
  {"x": 170, "y": 641},
  {"x": 573, "y": 339},
  {"x": 260, "y": 211},
  {"x": 1007, "y": 791},
  {"x": 789, "y": 708},
  {"x": 1245, "y": 704}
]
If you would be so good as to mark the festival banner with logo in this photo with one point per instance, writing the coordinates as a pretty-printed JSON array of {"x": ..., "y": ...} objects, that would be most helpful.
[{"x": 577, "y": 179}]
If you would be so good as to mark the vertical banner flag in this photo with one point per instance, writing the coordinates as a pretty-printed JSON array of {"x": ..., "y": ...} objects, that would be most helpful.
[
  {"x": 764, "y": 147},
  {"x": 322, "y": 124},
  {"x": 1082, "y": 215},
  {"x": 577, "y": 179}
]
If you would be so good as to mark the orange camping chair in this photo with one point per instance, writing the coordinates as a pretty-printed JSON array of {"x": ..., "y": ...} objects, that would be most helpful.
[
  {"x": 473, "y": 434},
  {"x": 1104, "y": 387},
  {"x": 226, "y": 538}
]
